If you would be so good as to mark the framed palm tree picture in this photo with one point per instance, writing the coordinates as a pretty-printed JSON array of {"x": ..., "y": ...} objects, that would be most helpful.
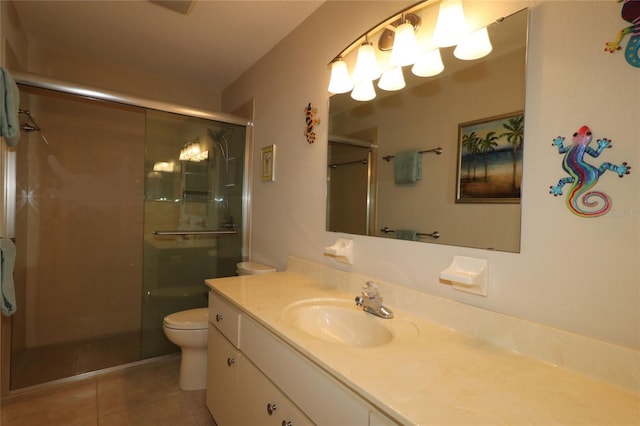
[{"x": 490, "y": 159}]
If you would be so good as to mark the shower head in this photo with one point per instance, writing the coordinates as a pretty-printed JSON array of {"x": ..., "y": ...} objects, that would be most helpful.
[{"x": 219, "y": 139}]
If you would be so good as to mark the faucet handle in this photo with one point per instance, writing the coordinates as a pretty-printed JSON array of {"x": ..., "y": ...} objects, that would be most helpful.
[{"x": 370, "y": 290}]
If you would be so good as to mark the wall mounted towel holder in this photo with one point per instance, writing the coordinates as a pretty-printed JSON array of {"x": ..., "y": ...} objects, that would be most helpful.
[
  {"x": 434, "y": 234},
  {"x": 437, "y": 150}
]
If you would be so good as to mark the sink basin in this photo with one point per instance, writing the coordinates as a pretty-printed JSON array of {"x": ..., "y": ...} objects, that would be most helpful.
[{"x": 338, "y": 321}]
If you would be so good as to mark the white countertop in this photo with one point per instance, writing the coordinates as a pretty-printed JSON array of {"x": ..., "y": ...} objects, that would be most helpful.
[{"x": 434, "y": 376}]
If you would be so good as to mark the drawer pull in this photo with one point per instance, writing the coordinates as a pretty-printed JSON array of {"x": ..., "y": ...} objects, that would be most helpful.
[
  {"x": 218, "y": 317},
  {"x": 271, "y": 408},
  {"x": 230, "y": 361},
  {"x": 286, "y": 423}
]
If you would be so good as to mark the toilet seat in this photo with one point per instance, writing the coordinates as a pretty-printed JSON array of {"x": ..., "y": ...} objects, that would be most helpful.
[
  {"x": 192, "y": 319},
  {"x": 252, "y": 268}
]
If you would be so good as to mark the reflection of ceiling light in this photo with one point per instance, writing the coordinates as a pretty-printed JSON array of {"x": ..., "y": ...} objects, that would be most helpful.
[
  {"x": 392, "y": 79},
  {"x": 451, "y": 26},
  {"x": 192, "y": 151},
  {"x": 340, "y": 81},
  {"x": 474, "y": 46},
  {"x": 163, "y": 166},
  {"x": 366, "y": 65},
  {"x": 429, "y": 64},
  {"x": 405, "y": 46},
  {"x": 363, "y": 91}
]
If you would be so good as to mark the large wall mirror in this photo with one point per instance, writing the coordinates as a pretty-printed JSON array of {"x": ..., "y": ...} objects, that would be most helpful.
[{"x": 435, "y": 116}]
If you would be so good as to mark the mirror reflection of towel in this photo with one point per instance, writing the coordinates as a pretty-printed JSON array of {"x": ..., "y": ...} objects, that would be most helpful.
[
  {"x": 407, "y": 167},
  {"x": 407, "y": 234},
  {"x": 7, "y": 262}
]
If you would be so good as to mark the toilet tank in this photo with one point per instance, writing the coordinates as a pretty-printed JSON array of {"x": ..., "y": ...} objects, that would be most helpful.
[{"x": 252, "y": 268}]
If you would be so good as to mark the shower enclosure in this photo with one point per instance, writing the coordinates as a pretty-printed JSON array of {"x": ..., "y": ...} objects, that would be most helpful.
[
  {"x": 351, "y": 177},
  {"x": 122, "y": 210}
]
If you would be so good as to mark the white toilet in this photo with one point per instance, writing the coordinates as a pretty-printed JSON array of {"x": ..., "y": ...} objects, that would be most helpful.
[
  {"x": 188, "y": 329},
  {"x": 252, "y": 268}
]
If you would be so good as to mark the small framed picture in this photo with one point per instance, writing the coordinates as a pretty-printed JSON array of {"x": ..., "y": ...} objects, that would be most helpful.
[{"x": 268, "y": 163}]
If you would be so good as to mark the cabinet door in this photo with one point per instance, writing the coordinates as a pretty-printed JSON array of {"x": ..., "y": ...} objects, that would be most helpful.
[
  {"x": 262, "y": 403},
  {"x": 223, "y": 362}
]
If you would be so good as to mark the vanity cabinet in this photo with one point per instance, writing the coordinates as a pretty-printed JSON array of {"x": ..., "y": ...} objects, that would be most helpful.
[
  {"x": 238, "y": 393},
  {"x": 253, "y": 377}
]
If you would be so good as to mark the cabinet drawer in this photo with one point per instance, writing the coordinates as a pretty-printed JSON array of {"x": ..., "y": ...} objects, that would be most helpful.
[
  {"x": 225, "y": 317},
  {"x": 320, "y": 396}
]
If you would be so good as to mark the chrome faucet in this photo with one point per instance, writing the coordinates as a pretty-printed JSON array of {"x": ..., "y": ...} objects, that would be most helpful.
[{"x": 371, "y": 301}]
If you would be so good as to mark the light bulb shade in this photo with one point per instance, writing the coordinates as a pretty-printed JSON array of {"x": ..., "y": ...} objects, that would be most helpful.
[
  {"x": 340, "y": 82},
  {"x": 405, "y": 46},
  {"x": 363, "y": 91},
  {"x": 474, "y": 46},
  {"x": 392, "y": 79},
  {"x": 429, "y": 64},
  {"x": 366, "y": 64},
  {"x": 451, "y": 26}
]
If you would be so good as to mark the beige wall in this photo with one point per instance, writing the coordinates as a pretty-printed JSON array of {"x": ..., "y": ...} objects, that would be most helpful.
[
  {"x": 575, "y": 274},
  {"x": 64, "y": 65},
  {"x": 67, "y": 66}
]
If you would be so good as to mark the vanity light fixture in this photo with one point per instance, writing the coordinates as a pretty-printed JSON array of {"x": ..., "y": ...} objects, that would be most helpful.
[
  {"x": 363, "y": 91},
  {"x": 451, "y": 26},
  {"x": 392, "y": 79},
  {"x": 428, "y": 64},
  {"x": 474, "y": 46},
  {"x": 340, "y": 81},
  {"x": 366, "y": 65},
  {"x": 405, "y": 45},
  {"x": 398, "y": 34}
]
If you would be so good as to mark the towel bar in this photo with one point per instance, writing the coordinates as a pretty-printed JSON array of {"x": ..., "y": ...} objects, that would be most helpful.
[
  {"x": 437, "y": 150},
  {"x": 203, "y": 232},
  {"x": 434, "y": 234},
  {"x": 363, "y": 161}
]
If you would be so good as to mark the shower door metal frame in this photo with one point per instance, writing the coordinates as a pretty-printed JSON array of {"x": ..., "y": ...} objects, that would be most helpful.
[
  {"x": 8, "y": 172},
  {"x": 372, "y": 173}
]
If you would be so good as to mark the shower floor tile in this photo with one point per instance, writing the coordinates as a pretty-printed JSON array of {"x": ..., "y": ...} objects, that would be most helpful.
[{"x": 48, "y": 363}]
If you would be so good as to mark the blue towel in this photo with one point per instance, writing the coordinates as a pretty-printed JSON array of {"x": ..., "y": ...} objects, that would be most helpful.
[
  {"x": 10, "y": 104},
  {"x": 407, "y": 167},
  {"x": 7, "y": 262},
  {"x": 406, "y": 234}
]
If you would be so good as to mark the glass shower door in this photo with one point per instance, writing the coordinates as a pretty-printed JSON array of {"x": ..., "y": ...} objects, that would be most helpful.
[{"x": 192, "y": 216}]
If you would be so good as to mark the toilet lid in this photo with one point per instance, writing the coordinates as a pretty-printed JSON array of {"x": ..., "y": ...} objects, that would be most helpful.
[
  {"x": 251, "y": 268},
  {"x": 192, "y": 319}
]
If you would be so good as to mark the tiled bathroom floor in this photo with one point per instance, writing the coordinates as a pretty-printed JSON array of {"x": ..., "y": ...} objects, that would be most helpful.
[
  {"x": 145, "y": 395},
  {"x": 54, "y": 362}
]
